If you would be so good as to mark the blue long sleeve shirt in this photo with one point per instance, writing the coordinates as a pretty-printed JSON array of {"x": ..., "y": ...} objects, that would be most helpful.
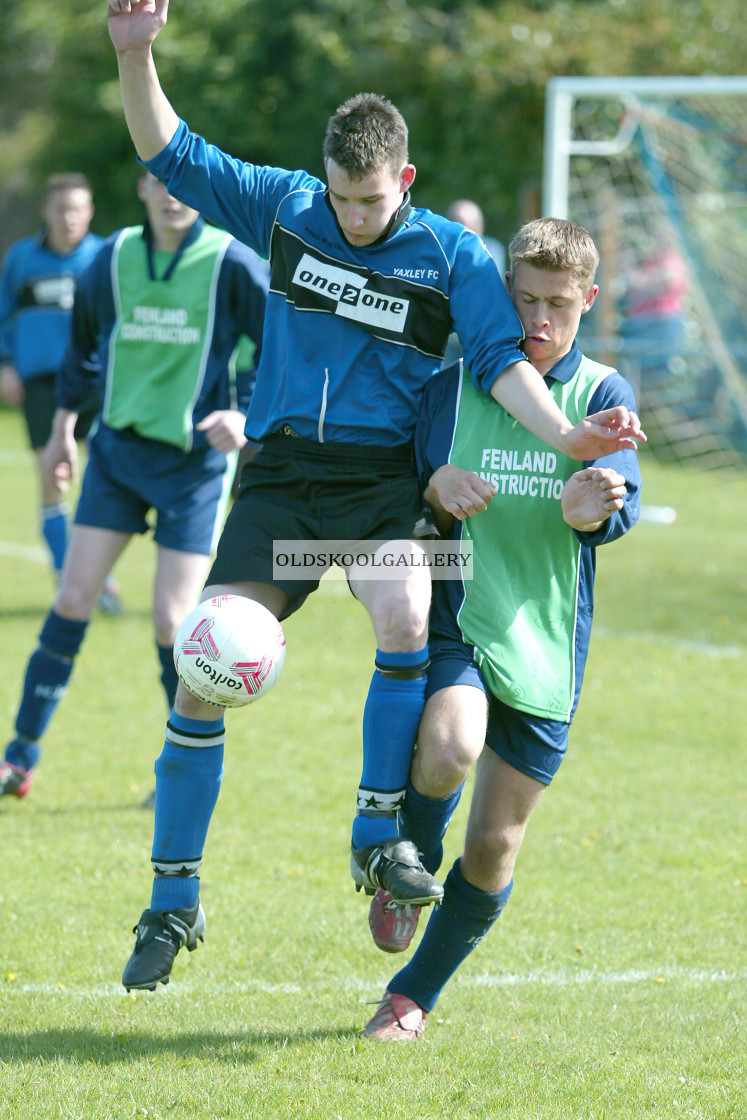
[
  {"x": 37, "y": 288},
  {"x": 352, "y": 335}
]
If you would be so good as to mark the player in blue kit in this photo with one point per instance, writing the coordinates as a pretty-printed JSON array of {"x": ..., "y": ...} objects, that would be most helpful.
[
  {"x": 509, "y": 646},
  {"x": 158, "y": 315},
  {"x": 364, "y": 291},
  {"x": 37, "y": 286}
]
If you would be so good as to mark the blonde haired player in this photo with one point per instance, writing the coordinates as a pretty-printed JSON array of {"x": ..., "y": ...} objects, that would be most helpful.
[{"x": 508, "y": 648}]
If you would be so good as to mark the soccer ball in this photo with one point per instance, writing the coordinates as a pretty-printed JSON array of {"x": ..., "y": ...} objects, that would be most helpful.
[{"x": 229, "y": 651}]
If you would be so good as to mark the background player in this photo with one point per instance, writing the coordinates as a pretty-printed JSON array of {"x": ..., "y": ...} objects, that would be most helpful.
[
  {"x": 37, "y": 287},
  {"x": 162, "y": 309}
]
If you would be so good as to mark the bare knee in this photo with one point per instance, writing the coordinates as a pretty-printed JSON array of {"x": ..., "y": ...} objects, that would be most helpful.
[
  {"x": 441, "y": 763},
  {"x": 166, "y": 621},
  {"x": 497, "y": 844},
  {"x": 398, "y": 607},
  {"x": 75, "y": 601},
  {"x": 401, "y": 627},
  {"x": 450, "y": 740}
]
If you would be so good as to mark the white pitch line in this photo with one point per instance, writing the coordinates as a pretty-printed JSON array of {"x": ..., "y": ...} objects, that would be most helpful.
[
  {"x": 24, "y": 552},
  {"x": 628, "y": 976},
  {"x": 16, "y": 458},
  {"x": 337, "y": 585},
  {"x": 683, "y": 645},
  {"x": 553, "y": 978}
]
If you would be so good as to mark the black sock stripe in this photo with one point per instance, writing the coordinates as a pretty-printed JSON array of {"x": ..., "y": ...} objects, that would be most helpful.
[
  {"x": 55, "y": 654},
  {"x": 404, "y": 672},
  {"x": 193, "y": 734}
]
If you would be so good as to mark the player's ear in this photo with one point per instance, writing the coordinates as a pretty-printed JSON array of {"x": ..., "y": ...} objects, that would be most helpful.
[
  {"x": 589, "y": 298},
  {"x": 406, "y": 178}
]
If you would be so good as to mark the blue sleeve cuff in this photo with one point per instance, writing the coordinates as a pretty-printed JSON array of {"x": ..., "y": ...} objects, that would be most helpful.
[
  {"x": 484, "y": 380},
  {"x": 160, "y": 163}
]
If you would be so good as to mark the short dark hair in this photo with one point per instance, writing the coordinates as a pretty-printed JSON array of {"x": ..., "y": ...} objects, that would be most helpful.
[
  {"x": 556, "y": 244},
  {"x": 67, "y": 181},
  {"x": 366, "y": 134}
]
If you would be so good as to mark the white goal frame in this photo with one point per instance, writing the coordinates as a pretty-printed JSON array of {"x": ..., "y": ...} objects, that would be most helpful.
[
  {"x": 563, "y": 143},
  {"x": 559, "y": 144}
]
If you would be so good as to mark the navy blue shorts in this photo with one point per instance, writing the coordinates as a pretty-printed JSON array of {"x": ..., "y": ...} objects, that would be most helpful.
[
  {"x": 531, "y": 744},
  {"x": 40, "y": 405},
  {"x": 297, "y": 490},
  {"x": 128, "y": 476}
]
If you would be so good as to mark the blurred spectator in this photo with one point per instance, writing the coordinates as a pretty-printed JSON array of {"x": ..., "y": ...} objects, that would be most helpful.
[
  {"x": 467, "y": 212},
  {"x": 653, "y": 328}
]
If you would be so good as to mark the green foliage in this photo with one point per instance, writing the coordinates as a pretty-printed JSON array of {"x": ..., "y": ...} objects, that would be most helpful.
[
  {"x": 260, "y": 78},
  {"x": 614, "y": 986}
]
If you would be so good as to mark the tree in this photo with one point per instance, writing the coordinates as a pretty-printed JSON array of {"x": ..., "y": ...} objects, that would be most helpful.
[{"x": 260, "y": 78}]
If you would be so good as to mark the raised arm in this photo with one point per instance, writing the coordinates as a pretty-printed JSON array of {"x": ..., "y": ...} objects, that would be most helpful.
[{"x": 133, "y": 25}]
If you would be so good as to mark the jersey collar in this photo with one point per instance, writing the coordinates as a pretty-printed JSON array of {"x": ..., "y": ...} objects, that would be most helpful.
[
  {"x": 568, "y": 365},
  {"x": 192, "y": 234},
  {"x": 397, "y": 220}
]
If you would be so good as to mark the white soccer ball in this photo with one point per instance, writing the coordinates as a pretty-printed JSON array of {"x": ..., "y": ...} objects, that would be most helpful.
[{"x": 229, "y": 651}]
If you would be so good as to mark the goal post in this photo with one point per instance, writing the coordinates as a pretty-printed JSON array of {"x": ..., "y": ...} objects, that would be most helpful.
[{"x": 656, "y": 170}]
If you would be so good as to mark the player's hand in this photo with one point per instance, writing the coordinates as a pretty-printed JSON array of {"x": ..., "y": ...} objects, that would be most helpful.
[
  {"x": 134, "y": 24},
  {"x": 11, "y": 387},
  {"x": 461, "y": 493},
  {"x": 614, "y": 429},
  {"x": 59, "y": 460},
  {"x": 59, "y": 463},
  {"x": 591, "y": 496},
  {"x": 224, "y": 429}
]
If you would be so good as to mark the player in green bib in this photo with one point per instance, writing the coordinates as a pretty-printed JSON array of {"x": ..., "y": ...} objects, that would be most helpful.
[
  {"x": 157, "y": 319},
  {"x": 509, "y": 646}
]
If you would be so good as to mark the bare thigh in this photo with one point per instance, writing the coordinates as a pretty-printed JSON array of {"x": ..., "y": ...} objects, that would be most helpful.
[{"x": 398, "y": 607}]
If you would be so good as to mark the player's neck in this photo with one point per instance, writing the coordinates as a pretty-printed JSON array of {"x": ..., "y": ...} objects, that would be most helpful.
[
  {"x": 61, "y": 248},
  {"x": 169, "y": 241}
]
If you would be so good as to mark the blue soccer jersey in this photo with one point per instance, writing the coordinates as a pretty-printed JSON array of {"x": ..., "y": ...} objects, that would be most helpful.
[
  {"x": 37, "y": 288},
  {"x": 352, "y": 334}
]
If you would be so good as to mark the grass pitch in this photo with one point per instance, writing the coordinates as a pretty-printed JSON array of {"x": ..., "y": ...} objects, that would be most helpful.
[{"x": 615, "y": 984}]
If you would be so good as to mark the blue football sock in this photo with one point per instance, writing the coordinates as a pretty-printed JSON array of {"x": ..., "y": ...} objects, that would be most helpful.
[
  {"x": 47, "y": 674},
  {"x": 54, "y": 531},
  {"x": 22, "y": 752},
  {"x": 390, "y": 725},
  {"x": 169, "y": 675},
  {"x": 188, "y": 778},
  {"x": 175, "y": 894},
  {"x": 424, "y": 820},
  {"x": 454, "y": 929}
]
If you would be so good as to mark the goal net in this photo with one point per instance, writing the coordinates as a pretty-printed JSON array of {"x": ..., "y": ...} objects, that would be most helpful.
[{"x": 656, "y": 170}]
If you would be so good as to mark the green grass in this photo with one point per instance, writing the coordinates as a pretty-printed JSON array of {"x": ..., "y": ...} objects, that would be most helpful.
[{"x": 614, "y": 985}]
